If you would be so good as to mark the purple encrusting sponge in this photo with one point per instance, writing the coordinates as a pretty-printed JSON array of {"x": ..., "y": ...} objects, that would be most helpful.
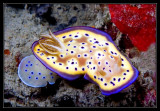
[{"x": 34, "y": 74}]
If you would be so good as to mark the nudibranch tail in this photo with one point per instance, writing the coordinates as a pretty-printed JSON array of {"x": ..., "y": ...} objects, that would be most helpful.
[
  {"x": 114, "y": 85},
  {"x": 34, "y": 74},
  {"x": 88, "y": 52},
  {"x": 125, "y": 85}
]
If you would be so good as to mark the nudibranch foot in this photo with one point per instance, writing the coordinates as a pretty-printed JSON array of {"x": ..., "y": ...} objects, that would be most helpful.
[
  {"x": 34, "y": 74},
  {"x": 86, "y": 52}
]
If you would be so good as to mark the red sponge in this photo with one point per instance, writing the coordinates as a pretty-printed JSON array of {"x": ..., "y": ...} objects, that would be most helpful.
[{"x": 138, "y": 21}]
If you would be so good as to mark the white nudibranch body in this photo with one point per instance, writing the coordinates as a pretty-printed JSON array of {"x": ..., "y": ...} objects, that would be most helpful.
[{"x": 33, "y": 73}]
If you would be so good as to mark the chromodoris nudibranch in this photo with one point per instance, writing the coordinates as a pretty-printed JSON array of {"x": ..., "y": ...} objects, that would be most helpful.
[
  {"x": 87, "y": 51},
  {"x": 33, "y": 73}
]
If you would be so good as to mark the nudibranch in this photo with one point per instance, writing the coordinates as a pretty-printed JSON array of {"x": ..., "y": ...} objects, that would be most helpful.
[
  {"x": 89, "y": 52},
  {"x": 33, "y": 73}
]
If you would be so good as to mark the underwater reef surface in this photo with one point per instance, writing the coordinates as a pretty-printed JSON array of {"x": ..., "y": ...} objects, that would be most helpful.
[{"x": 22, "y": 26}]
